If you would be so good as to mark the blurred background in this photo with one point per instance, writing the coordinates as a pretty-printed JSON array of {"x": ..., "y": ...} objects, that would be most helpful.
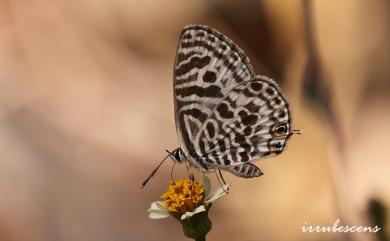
[{"x": 86, "y": 111}]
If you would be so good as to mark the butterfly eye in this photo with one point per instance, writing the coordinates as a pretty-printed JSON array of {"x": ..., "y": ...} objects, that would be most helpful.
[{"x": 176, "y": 154}]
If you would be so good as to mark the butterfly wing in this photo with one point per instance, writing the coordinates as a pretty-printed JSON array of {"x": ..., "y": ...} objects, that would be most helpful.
[
  {"x": 246, "y": 170},
  {"x": 252, "y": 121},
  {"x": 208, "y": 65}
]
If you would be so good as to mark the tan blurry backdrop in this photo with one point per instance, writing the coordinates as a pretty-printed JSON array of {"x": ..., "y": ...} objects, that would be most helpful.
[{"x": 86, "y": 112}]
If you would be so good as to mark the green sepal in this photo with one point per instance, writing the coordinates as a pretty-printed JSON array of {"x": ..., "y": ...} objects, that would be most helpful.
[{"x": 197, "y": 226}]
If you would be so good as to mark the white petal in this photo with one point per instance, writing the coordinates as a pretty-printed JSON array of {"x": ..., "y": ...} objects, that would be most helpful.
[
  {"x": 153, "y": 215},
  {"x": 199, "y": 209},
  {"x": 220, "y": 192},
  {"x": 158, "y": 210},
  {"x": 207, "y": 184},
  {"x": 159, "y": 205}
]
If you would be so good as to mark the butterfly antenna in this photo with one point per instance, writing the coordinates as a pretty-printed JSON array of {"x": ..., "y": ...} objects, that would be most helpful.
[{"x": 154, "y": 171}]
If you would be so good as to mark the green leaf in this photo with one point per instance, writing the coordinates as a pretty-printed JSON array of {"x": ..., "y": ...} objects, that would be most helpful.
[{"x": 197, "y": 226}]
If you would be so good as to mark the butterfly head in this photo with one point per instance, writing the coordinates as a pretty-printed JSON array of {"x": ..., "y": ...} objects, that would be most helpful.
[{"x": 177, "y": 155}]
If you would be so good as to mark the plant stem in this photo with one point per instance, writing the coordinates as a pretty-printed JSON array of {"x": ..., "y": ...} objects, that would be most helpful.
[{"x": 201, "y": 238}]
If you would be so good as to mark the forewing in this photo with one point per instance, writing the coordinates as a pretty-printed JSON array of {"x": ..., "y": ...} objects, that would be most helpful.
[
  {"x": 251, "y": 122},
  {"x": 208, "y": 65}
]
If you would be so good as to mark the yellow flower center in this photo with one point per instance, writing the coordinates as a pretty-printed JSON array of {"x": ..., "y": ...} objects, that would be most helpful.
[{"x": 183, "y": 196}]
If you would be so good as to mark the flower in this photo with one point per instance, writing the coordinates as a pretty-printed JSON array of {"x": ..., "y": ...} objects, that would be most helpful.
[
  {"x": 185, "y": 198},
  {"x": 188, "y": 201}
]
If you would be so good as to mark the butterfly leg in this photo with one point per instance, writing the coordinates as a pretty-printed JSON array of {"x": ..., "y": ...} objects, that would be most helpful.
[
  {"x": 190, "y": 174},
  {"x": 247, "y": 170},
  {"x": 219, "y": 178},
  {"x": 220, "y": 174},
  {"x": 173, "y": 167}
]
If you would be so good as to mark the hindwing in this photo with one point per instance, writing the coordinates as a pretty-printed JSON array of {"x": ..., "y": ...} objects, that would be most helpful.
[{"x": 252, "y": 121}]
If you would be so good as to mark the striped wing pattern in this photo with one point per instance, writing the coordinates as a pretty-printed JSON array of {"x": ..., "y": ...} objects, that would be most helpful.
[
  {"x": 251, "y": 122},
  {"x": 225, "y": 115}
]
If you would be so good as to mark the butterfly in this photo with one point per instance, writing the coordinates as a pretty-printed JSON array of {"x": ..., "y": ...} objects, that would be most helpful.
[{"x": 226, "y": 115}]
